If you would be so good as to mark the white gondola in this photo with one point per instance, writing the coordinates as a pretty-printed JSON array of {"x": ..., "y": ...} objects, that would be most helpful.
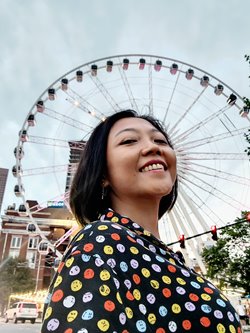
[
  {"x": 244, "y": 112},
  {"x": 51, "y": 94},
  {"x": 31, "y": 120},
  {"x": 23, "y": 136},
  {"x": 94, "y": 70},
  {"x": 125, "y": 63},
  {"x": 109, "y": 66},
  {"x": 142, "y": 63},
  {"x": 232, "y": 99},
  {"x": 19, "y": 190},
  {"x": 64, "y": 84},
  {"x": 189, "y": 74},
  {"x": 16, "y": 170},
  {"x": 157, "y": 65},
  {"x": 31, "y": 227},
  {"x": 218, "y": 90},
  {"x": 173, "y": 69},
  {"x": 19, "y": 153},
  {"x": 40, "y": 106},
  {"x": 204, "y": 81},
  {"x": 79, "y": 76},
  {"x": 43, "y": 247}
]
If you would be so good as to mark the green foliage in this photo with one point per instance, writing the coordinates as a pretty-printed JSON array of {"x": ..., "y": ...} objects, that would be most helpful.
[
  {"x": 229, "y": 259},
  {"x": 15, "y": 277}
]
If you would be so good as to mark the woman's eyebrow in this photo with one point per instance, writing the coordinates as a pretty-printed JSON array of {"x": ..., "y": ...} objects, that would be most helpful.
[{"x": 135, "y": 130}]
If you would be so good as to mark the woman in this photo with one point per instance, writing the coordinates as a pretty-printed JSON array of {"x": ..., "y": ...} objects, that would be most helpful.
[{"x": 116, "y": 275}]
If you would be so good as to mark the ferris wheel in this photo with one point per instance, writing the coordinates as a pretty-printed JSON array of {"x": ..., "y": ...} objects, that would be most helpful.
[{"x": 204, "y": 117}]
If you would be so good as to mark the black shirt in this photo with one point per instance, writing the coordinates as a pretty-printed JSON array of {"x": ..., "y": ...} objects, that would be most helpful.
[{"x": 117, "y": 277}]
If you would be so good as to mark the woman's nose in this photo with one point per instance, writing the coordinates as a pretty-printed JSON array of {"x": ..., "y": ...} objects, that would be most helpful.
[{"x": 151, "y": 148}]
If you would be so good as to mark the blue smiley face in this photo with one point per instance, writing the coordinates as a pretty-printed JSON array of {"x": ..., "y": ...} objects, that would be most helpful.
[
  {"x": 163, "y": 311},
  {"x": 87, "y": 314}
]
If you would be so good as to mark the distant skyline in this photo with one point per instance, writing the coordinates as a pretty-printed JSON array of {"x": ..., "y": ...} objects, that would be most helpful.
[{"x": 41, "y": 40}]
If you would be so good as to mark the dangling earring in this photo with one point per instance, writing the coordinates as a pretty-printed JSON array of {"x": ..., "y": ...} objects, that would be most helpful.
[{"x": 104, "y": 192}]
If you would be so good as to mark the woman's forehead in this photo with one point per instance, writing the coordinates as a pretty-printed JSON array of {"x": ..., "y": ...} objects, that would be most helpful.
[{"x": 131, "y": 124}]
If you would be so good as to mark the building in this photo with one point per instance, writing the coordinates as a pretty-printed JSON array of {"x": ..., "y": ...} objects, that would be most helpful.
[
  {"x": 3, "y": 180},
  {"x": 20, "y": 238},
  {"x": 76, "y": 148}
]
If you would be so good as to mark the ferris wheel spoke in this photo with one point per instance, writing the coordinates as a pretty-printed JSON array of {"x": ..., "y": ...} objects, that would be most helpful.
[
  {"x": 66, "y": 120},
  {"x": 49, "y": 169},
  {"x": 82, "y": 103},
  {"x": 171, "y": 97},
  {"x": 186, "y": 112},
  {"x": 128, "y": 89},
  {"x": 202, "y": 123},
  {"x": 150, "y": 89},
  {"x": 211, "y": 139},
  {"x": 206, "y": 187},
  {"x": 56, "y": 142},
  {"x": 211, "y": 156},
  {"x": 205, "y": 170},
  {"x": 105, "y": 93},
  {"x": 200, "y": 206}
]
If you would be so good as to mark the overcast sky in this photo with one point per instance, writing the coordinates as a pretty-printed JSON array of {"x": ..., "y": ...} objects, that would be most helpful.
[{"x": 43, "y": 39}]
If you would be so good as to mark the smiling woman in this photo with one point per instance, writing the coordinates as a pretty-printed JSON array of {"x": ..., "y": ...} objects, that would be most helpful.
[{"x": 117, "y": 275}]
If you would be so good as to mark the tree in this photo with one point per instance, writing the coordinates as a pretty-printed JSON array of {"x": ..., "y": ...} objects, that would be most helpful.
[
  {"x": 229, "y": 259},
  {"x": 15, "y": 277}
]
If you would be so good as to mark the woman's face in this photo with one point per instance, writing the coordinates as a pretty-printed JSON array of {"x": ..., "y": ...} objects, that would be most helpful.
[{"x": 140, "y": 162}]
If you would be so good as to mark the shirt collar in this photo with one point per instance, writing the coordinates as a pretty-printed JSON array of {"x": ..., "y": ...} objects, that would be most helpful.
[{"x": 112, "y": 216}]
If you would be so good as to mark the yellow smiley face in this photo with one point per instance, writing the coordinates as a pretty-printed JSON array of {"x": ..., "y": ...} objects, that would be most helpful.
[
  {"x": 102, "y": 227},
  {"x": 145, "y": 272},
  {"x": 200, "y": 279},
  {"x": 108, "y": 249},
  {"x": 72, "y": 316},
  {"x": 69, "y": 262},
  {"x": 129, "y": 312},
  {"x": 181, "y": 281},
  {"x": 134, "y": 250},
  {"x": 221, "y": 328},
  {"x": 104, "y": 290},
  {"x": 114, "y": 219},
  {"x": 172, "y": 261},
  {"x": 152, "y": 318},
  {"x": 166, "y": 279},
  {"x": 104, "y": 275},
  {"x": 103, "y": 325},
  {"x": 58, "y": 281},
  {"x": 137, "y": 294},
  {"x": 48, "y": 312},
  {"x": 76, "y": 285},
  {"x": 176, "y": 308},
  {"x": 155, "y": 284},
  {"x": 118, "y": 297},
  {"x": 80, "y": 237},
  {"x": 232, "y": 329},
  {"x": 206, "y": 297}
]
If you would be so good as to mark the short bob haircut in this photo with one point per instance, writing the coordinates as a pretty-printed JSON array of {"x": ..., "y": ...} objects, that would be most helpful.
[{"x": 86, "y": 191}]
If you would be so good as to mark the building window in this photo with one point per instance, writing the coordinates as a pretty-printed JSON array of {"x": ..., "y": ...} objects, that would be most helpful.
[
  {"x": 31, "y": 258},
  {"x": 16, "y": 242},
  {"x": 33, "y": 242},
  {"x": 14, "y": 253}
]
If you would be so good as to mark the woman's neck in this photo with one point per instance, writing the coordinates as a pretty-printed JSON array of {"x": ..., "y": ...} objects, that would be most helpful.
[{"x": 143, "y": 212}]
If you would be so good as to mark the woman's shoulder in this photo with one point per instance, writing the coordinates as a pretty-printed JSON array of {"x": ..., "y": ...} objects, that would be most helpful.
[{"x": 98, "y": 234}]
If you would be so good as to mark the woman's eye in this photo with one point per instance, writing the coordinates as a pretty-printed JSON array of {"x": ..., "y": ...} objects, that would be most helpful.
[
  {"x": 128, "y": 141},
  {"x": 161, "y": 141}
]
